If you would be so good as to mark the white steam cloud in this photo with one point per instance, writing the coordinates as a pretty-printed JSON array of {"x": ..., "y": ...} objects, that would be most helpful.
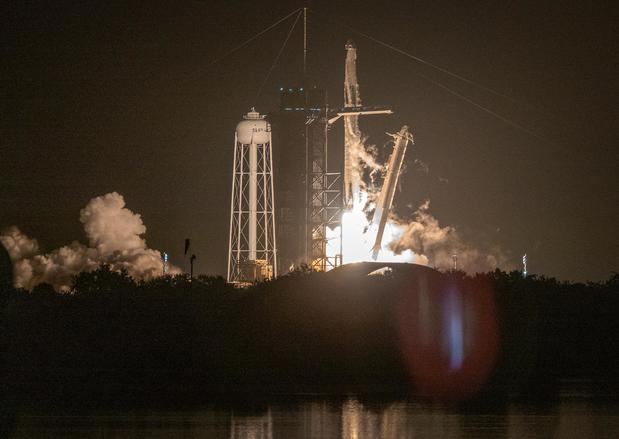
[
  {"x": 114, "y": 237},
  {"x": 425, "y": 237},
  {"x": 420, "y": 239}
]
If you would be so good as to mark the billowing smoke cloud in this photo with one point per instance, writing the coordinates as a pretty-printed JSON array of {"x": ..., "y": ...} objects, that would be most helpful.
[
  {"x": 18, "y": 245},
  {"x": 420, "y": 240},
  {"x": 367, "y": 156},
  {"x": 425, "y": 236},
  {"x": 114, "y": 237}
]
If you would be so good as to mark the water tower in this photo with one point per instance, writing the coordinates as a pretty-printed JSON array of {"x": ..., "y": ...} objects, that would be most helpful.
[{"x": 252, "y": 254}]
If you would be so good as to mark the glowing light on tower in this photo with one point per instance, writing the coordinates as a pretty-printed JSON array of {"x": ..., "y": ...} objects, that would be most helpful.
[{"x": 164, "y": 258}]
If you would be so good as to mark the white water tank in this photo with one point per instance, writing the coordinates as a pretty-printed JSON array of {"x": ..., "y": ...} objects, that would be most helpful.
[
  {"x": 253, "y": 129},
  {"x": 252, "y": 251}
]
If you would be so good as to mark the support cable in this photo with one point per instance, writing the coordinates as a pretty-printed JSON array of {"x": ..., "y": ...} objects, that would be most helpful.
[
  {"x": 487, "y": 110},
  {"x": 445, "y": 71},
  {"x": 506, "y": 120},
  {"x": 279, "y": 54},
  {"x": 240, "y": 46}
]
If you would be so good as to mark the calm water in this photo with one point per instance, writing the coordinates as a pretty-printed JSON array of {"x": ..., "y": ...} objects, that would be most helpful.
[{"x": 572, "y": 417}]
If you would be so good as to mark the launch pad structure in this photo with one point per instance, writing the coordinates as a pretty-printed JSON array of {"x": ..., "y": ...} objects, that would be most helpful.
[
  {"x": 312, "y": 198},
  {"x": 300, "y": 200},
  {"x": 307, "y": 199},
  {"x": 308, "y": 194}
]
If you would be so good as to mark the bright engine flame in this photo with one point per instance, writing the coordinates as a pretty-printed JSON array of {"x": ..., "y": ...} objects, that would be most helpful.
[{"x": 358, "y": 237}]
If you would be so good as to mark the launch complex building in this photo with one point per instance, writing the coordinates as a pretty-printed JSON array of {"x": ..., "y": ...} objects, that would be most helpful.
[{"x": 285, "y": 196}]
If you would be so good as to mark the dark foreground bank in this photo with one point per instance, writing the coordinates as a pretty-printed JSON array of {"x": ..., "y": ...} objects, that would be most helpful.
[{"x": 405, "y": 331}]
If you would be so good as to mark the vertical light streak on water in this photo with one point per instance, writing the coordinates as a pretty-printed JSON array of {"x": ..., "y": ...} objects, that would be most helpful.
[{"x": 351, "y": 419}]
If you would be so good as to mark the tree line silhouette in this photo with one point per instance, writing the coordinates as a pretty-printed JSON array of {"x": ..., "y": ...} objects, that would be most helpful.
[{"x": 113, "y": 340}]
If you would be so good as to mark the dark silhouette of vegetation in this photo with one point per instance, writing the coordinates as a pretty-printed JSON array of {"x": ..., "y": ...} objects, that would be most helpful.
[
  {"x": 6, "y": 268},
  {"x": 113, "y": 339}
]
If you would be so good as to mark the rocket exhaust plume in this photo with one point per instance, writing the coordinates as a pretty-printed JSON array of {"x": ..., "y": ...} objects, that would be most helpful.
[
  {"x": 425, "y": 236},
  {"x": 420, "y": 240},
  {"x": 114, "y": 238},
  {"x": 388, "y": 238}
]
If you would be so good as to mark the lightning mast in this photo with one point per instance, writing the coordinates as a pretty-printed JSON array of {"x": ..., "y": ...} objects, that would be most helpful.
[{"x": 385, "y": 199}]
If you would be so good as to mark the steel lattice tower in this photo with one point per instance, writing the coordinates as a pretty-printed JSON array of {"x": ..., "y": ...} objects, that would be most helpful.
[
  {"x": 252, "y": 254},
  {"x": 324, "y": 189}
]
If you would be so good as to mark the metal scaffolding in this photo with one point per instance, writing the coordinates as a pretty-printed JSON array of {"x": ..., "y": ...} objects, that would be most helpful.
[{"x": 324, "y": 194}]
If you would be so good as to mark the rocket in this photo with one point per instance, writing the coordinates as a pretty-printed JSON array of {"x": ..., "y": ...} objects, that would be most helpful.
[
  {"x": 385, "y": 198},
  {"x": 352, "y": 133},
  {"x": 353, "y": 142}
]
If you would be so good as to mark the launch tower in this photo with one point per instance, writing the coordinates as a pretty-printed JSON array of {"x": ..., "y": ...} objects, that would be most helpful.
[{"x": 308, "y": 193}]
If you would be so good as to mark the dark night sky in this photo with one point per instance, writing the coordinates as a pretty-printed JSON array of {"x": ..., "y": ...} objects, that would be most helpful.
[{"x": 119, "y": 96}]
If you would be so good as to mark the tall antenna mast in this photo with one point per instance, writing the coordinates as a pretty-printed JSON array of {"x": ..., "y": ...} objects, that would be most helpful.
[{"x": 304, "y": 43}]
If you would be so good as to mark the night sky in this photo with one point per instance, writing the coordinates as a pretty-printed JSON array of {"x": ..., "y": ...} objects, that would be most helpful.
[{"x": 123, "y": 96}]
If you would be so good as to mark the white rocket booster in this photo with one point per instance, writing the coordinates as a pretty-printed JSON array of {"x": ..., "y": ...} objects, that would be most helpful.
[
  {"x": 353, "y": 142},
  {"x": 352, "y": 134}
]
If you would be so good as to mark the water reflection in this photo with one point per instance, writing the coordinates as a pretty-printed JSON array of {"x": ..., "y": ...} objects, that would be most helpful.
[
  {"x": 359, "y": 422},
  {"x": 350, "y": 419},
  {"x": 251, "y": 427}
]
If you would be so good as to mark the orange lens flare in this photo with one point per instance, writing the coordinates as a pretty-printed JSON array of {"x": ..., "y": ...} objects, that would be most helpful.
[{"x": 449, "y": 335}]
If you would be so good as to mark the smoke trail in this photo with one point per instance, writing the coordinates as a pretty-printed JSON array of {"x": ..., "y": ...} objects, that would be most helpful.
[
  {"x": 17, "y": 244},
  {"x": 114, "y": 236},
  {"x": 421, "y": 239},
  {"x": 366, "y": 155},
  {"x": 425, "y": 236}
]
